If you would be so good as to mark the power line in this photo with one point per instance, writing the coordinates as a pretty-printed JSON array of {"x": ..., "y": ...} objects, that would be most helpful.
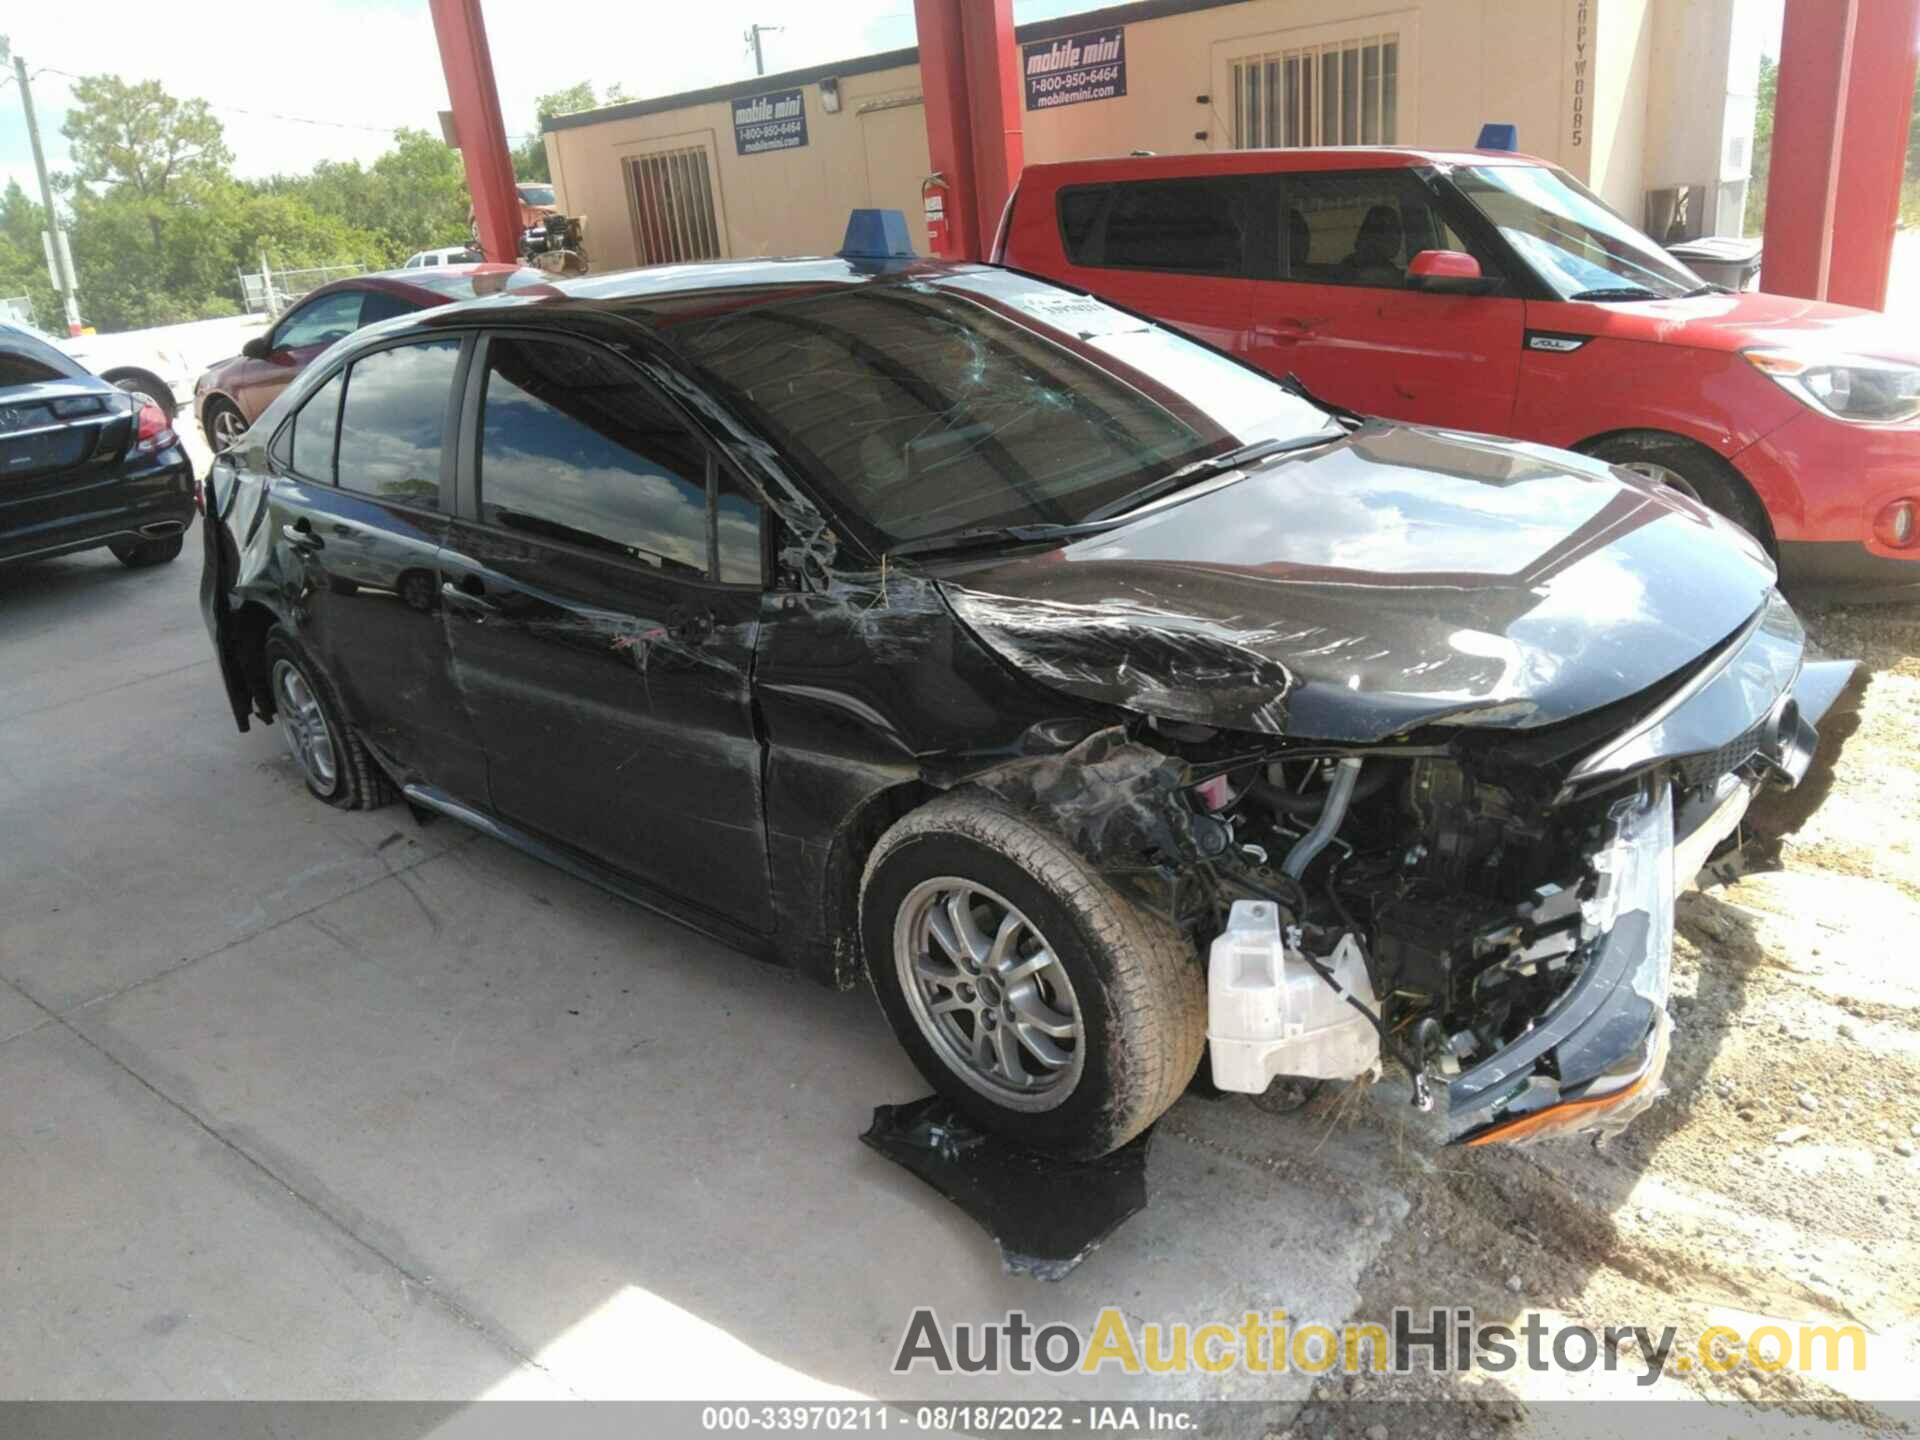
[{"x": 269, "y": 114}]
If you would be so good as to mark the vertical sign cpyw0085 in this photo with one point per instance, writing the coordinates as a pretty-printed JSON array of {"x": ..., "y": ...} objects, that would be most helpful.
[
  {"x": 1089, "y": 66},
  {"x": 776, "y": 121}
]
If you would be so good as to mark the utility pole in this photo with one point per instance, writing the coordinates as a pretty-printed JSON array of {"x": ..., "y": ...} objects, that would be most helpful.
[
  {"x": 754, "y": 33},
  {"x": 59, "y": 257}
]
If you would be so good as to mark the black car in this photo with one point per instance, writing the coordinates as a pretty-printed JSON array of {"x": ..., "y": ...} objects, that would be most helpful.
[
  {"x": 943, "y": 626},
  {"x": 84, "y": 464}
]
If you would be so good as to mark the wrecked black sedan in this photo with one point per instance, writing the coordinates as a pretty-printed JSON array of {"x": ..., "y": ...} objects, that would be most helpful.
[{"x": 1104, "y": 702}]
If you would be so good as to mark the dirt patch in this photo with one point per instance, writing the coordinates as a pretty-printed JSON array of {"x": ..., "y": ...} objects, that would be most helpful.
[{"x": 1777, "y": 1179}]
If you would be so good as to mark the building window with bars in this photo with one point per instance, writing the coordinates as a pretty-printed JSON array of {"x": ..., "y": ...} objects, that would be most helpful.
[
  {"x": 1343, "y": 93},
  {"x": 671, "y": 193}
]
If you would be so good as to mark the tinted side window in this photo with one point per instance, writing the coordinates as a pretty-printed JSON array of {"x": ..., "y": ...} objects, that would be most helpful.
[
  {"x": 393, "y": 422},
  {"x": 377, "y": 305},
  {"x": 1361, "y": 229},
  {"x": 313, "y": 431},
  {"x": 573, "y": 447},
  {"x": 1083, "y": 210},
  {"x": 27, "y": 360},
  {"x": 1193, "y": 227},
  {"x": 320, "y": 322}
]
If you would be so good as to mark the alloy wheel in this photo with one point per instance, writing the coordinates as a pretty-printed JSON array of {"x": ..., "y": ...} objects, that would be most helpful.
[
  {"x": 989, "y": 993},
  {"x": 228, "y": 427},
  {"x": 309, "y": 740}
]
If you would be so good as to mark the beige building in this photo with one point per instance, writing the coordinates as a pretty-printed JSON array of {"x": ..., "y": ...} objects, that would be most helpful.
[{"x": 1629, "y": 95}]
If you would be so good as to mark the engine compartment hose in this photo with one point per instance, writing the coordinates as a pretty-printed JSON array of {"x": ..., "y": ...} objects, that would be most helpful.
[
  {"x": 1282, "y": 801},
  {"x": 1339, "y": 794}
]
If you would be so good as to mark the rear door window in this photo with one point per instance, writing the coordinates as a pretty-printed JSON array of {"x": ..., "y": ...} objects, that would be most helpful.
[
  {"x": 378, "y": 305},
  {"x": 393, "y": 422},
  {"x": 1188, "y": 227},
  {"x": 314, "y": 428},
  {"x": 576, "y": 448}
]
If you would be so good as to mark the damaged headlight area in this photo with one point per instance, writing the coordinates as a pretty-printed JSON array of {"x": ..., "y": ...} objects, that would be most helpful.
[{"x": 1497, "y": 925}]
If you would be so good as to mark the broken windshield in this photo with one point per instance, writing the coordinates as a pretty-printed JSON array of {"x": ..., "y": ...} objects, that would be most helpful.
[{"x": 981, "y": 399}]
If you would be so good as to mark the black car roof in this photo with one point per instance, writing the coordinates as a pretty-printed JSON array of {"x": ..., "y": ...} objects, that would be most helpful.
[{"x": 657, "y": 295}]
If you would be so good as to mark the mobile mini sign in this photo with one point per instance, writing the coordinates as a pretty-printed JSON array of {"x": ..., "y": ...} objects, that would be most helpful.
[
  {"x": 1089, "y": 66},
  {"x": 776, "y": 121}
]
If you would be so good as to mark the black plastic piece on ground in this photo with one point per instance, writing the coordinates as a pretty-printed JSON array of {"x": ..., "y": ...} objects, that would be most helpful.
[{"x": 1047, "y": 1214}]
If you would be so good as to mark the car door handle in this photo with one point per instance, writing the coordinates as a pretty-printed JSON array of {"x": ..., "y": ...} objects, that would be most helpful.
[
  {"x": 300, "y": 536},
  {"x": 455, "y": 595}
]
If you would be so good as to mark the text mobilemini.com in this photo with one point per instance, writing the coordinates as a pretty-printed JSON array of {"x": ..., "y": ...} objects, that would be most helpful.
[{"x": 1437, "y": 1339}]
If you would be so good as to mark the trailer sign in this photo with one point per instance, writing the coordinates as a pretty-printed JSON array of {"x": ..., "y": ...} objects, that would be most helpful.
[
  {"x": 777, "y": 121},
  {"x": 1089, "y": 66}
]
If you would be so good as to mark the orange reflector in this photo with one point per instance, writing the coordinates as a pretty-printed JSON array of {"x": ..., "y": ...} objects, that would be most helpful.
[{"x": 1571, "y": 1116}]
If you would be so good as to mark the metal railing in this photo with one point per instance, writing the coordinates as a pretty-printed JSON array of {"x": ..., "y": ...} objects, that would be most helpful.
[{"x": 268, "y": 291}]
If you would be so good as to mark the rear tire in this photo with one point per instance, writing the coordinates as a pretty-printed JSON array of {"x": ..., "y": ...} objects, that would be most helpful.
[
  {"x": 1694, "y": 471},
  {"x": 1103, "y": 1008},
  {"x": 333, "y": 761},
  {"x": 138, "y": 554}
]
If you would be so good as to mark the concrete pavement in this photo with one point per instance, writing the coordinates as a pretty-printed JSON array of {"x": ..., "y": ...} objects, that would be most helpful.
[{"x": 296, "y": 1103}]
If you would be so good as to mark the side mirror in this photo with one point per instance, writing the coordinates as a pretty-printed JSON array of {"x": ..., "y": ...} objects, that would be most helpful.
[
  {"x": 257, "y": 348},
  {"x": 1447, "y": 272}
]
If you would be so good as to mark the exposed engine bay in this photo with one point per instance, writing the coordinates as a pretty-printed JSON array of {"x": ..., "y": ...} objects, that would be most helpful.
[
  {"x": 1471, "y": 901},
  {"x": 1492, "y": 917}
]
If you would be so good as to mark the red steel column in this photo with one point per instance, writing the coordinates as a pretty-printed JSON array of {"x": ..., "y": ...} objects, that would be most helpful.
[
  {"x": 943, "y": 81},
  {"x": 1839, "y": 147},
  {"x": 476, "y": 118},
  {"x": 1873, "y": 151},
  {"x": 994, "y": 88},
  {"x": 1803, "y": 178}
]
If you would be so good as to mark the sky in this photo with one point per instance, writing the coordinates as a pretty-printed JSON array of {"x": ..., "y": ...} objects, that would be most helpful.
[{"x": 367, "y": 66}]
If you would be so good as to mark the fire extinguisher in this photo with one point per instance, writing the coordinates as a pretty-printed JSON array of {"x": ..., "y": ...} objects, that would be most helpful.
[{"x": 933, "y": 200}]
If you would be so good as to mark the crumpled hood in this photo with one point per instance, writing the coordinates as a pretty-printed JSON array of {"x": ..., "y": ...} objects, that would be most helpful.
[{"x": 1398, "y": 578}]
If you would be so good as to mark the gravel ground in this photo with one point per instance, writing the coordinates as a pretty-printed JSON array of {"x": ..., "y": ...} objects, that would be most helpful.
[{"x": 1776, "y": 1180}]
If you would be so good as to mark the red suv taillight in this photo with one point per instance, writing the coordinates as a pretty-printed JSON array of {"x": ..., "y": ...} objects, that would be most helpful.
[{"x": 152, "y": 430}]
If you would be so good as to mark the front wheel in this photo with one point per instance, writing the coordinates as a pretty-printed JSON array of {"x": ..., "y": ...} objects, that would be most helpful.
[
  {"x": 223, "y": 424},
  {"x": 1694, "y": 471},
  {"x": 1026, "y": 988}
]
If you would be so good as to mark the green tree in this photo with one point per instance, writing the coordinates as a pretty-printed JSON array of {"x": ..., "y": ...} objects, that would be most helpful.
[
  {"x": 139, "y": 138},
  {"x": 530, "y": 155},
  {"x": 1762, "y": 158}
]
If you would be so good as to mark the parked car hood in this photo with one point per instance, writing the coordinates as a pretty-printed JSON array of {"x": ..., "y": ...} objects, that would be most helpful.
[
  {"x": 1397, "y": 578},
  {"x": 1742, "y": 321}
]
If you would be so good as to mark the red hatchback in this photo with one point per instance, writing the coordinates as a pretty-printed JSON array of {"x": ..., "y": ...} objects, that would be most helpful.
[
  {"x": 1493, "y": 292},
  {"x": 230, "y": 395}
]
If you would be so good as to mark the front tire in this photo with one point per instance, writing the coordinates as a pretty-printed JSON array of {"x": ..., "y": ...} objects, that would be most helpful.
[
  {"x": 222, "y": 425},
  {"x": 332, "y": 760},
  {"x": 1026, "y": 988},
  {"x": 1694, "y": 471}
]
